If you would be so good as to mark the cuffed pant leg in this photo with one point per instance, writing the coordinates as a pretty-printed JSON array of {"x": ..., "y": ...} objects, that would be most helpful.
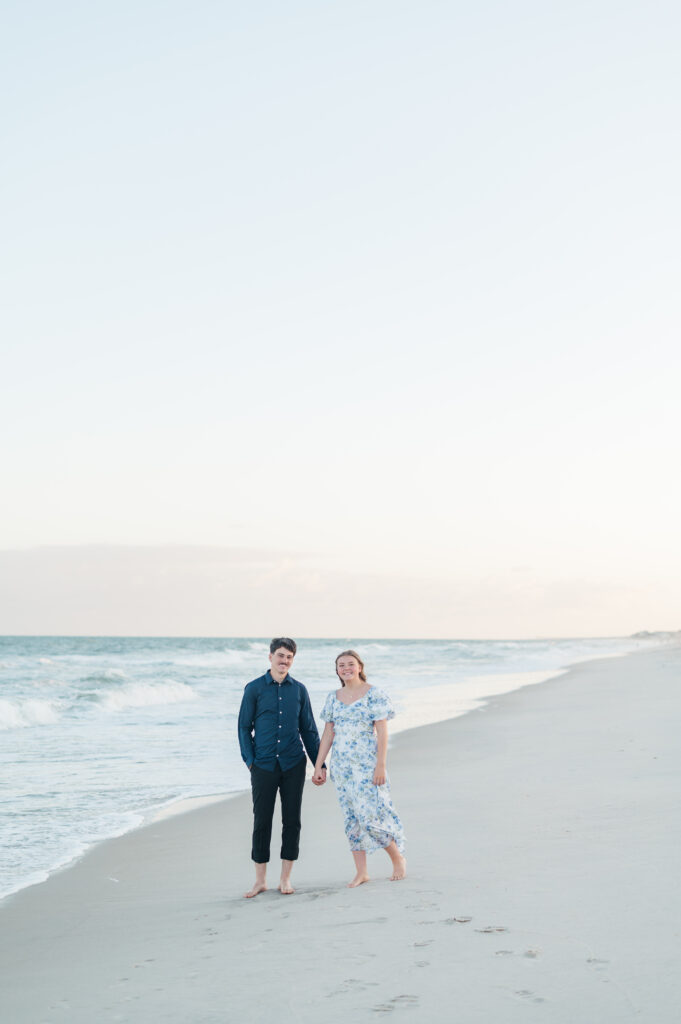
[
  {"x": 291, "y": 791},
  {"x": 264, "y": 793}
]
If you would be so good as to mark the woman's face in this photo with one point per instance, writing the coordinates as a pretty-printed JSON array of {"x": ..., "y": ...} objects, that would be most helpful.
[{"x": 347, "y": 668}]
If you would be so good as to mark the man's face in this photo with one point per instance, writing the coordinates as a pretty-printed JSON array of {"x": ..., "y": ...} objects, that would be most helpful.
[{"x": 281, "y": 661}]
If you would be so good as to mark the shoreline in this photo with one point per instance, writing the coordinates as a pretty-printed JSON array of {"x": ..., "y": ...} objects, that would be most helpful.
[
  {"x": 426, "y": 706},
  {"x": 542, "y": 834}
]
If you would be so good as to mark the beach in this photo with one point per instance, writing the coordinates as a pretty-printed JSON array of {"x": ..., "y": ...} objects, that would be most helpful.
[{"x": 542, "y": 829}]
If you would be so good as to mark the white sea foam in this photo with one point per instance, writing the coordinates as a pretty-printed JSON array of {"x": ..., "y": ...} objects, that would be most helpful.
[
  {"x": 141, "y": 695},
  {"x": 75, "y": 848},
  {"x": 20, "y": 714},
  {"x": 230, "y": 657}
]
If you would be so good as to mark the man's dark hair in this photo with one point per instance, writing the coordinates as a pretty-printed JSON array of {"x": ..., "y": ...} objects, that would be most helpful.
[{"x": 283, "y": 641}]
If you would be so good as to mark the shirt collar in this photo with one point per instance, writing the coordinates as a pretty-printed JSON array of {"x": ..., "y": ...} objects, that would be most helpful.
[{"x": 269, "y": 678}]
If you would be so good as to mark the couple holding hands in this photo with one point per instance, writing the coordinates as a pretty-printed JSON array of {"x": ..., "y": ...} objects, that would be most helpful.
[{"x": 276, "y": 723}]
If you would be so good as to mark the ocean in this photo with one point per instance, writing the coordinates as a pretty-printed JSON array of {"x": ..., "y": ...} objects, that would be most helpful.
[{"x": 99, "y": 735}]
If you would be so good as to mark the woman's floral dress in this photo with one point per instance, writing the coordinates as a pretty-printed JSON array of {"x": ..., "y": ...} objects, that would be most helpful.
[{"x": 371, "y": 821}]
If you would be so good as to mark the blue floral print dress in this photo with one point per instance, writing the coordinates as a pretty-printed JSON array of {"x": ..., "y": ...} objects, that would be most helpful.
[{"x": 371, "y": 821}]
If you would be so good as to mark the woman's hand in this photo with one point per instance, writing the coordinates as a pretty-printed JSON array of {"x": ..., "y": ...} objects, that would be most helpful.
[
  {"x": 379, "y": 775},
  {"x": 319, "y": 777}
]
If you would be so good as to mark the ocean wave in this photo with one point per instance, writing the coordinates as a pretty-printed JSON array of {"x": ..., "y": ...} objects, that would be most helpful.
[
  {"x": 142, "y": 695},
  {"x": 20, "y": 714},
  {"x": 231, "y": 657},
  {"x": 106, "y": 675}
]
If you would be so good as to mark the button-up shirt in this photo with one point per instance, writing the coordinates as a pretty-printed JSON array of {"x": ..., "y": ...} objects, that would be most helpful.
[{"x": 275, "y": 720}]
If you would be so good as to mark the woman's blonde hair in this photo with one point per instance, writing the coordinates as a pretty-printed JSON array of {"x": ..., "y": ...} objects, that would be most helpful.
[{"x": 355, "y": 655}]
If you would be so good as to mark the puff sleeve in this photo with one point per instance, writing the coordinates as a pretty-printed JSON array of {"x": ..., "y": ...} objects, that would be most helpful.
[
  {"x": 380, "y": 705},
  {"x": 327, "y": 711}
]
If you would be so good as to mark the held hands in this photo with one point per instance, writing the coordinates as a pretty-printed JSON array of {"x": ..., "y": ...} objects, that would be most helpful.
[
  {"x": 319, "y": 777},
  {"x": 379, "y": 775}
]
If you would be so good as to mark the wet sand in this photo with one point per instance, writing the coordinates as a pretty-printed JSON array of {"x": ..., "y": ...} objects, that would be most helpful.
[{"x": 543, "y": 834}]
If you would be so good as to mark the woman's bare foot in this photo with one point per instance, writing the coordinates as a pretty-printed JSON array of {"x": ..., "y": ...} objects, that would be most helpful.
[
  {"x": 258, "y": 887},
  {"x": 359, "y": 879},
  {"x": 399, "y": 869},
  {"x": 285, "y": 887}
]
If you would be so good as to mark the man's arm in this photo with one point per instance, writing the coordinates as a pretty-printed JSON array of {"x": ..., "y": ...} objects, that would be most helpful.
[
  {"x": 247, "y": 726},
  {"x": 308, "y": 728},
  {"x": 319, "y": 777}
]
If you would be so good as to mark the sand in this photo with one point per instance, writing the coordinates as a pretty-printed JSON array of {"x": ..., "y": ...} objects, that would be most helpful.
[{"x": 543, "y": 835}]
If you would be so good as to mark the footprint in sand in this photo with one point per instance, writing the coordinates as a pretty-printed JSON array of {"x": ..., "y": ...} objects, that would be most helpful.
[
  {"x": 530, "y": 954},
  {"x": 352, "y": 985},
  {"x": 315, "y": 894},
  {"x": 395, "y": 1003},
  {"x": 491, "y": 929},
  {"x": 598, "y": 965},
  {"x": 526, "y": 994}
]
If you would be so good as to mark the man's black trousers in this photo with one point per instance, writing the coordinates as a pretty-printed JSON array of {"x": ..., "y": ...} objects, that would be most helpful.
[{"x": 264, "y": 787}]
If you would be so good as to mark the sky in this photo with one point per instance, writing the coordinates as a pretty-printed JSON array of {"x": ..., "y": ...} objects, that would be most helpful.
[{"x": 353, "y": 319}]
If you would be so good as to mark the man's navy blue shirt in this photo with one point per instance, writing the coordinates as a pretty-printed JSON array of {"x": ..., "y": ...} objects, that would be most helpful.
[{"x": 273, "y": 719}]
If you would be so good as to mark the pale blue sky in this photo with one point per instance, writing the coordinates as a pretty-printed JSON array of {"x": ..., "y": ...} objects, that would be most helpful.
[{"x": 375, "y": 288}]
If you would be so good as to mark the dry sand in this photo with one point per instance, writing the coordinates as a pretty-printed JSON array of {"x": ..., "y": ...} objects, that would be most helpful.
[{"x": 543, "y": 835}]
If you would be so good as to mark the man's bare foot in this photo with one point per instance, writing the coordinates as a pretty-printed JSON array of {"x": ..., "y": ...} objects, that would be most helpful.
[
  {"x": 285, "y": 887},
  {"x": 399, "y": 870},
  {"x": 358, "y": 880},
  {"x": 258, "y": 887}
]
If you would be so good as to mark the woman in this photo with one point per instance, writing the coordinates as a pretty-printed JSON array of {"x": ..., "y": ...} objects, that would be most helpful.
[{"x": 356, "y": 719}]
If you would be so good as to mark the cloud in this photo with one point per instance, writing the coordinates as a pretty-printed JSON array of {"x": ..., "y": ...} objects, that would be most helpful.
[{"x": 215, "y": 591}]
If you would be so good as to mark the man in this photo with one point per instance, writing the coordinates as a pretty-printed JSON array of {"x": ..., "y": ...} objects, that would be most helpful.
[{"x": 275, "y": 716}]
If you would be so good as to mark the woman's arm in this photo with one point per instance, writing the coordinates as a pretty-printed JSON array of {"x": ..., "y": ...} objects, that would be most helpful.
[
  {"x": 324, "y": 748},
  {"x": 382, "y": 744}
]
